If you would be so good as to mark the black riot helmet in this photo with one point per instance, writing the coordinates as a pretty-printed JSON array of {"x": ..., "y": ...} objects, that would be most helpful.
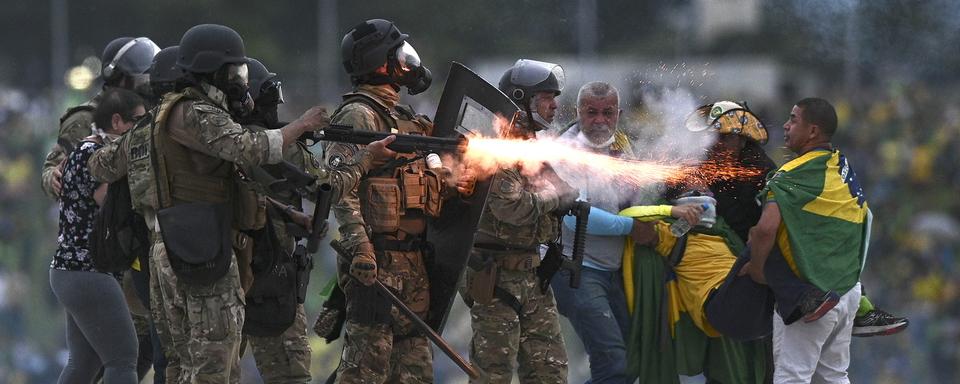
[
  {"x": 525, "y": 79},
  {"x": 164, "y": 72},
  {"x": 207, "y": 47},
  {"x": 262, "y": 81},
  {"x": 373, "y": 43},
  {"x": 267, "y": 94},
  {"x": 215, "y": 53}
]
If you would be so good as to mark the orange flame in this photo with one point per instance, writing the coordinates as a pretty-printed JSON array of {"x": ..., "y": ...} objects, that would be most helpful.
[{"x": 486, "y": 155}]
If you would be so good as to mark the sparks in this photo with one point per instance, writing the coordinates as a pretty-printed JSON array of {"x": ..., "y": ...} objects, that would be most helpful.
[{"x": 485, "y": 156}]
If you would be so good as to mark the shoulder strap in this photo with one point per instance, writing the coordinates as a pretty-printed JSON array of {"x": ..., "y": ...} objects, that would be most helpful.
[
  {"x": 164, "y": 199},
  {"x": 380, "y": 110}
]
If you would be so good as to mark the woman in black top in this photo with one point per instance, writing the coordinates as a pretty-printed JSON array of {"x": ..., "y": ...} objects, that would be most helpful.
[{"x": 99, "y": 331}]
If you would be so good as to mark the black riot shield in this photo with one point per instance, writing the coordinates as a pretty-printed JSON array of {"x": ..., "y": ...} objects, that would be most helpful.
[{"x": 469, "y": 106}]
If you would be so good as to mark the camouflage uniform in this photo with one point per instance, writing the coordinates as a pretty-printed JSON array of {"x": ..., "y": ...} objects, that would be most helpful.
[
  {"x": 381, "y": 344},
  {"x": 286, "y": 358},
  {"x": 75, "y": 124},
  {"x": 199, "y": 324},
  {"x": 514, "y": 321},
  {"x": 131, "y": 156}
]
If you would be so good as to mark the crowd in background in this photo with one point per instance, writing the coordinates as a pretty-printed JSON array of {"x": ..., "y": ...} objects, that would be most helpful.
[{"x": 903, "y": 140}]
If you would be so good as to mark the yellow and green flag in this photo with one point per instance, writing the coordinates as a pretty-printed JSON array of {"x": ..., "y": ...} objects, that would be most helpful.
[{"x": 825, "y": 224}]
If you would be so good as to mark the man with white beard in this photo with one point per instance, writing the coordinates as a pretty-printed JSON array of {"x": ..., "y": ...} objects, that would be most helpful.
[{"x": 598, "y": 308}]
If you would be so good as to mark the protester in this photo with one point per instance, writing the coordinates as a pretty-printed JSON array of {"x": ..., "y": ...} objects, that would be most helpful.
[{"x": 100, "y": 331}]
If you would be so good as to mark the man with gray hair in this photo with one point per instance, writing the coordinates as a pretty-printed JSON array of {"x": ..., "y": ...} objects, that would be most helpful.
[{"x": 598, "y": 308}]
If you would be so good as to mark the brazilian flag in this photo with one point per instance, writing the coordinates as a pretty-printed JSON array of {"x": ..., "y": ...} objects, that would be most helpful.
[
  {"x": 664, "y": 342},
  {"x": 825, "y": 219}
]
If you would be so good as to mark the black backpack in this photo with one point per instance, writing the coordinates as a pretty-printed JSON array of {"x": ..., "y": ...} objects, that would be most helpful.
[{"x": 119, "y": 235}]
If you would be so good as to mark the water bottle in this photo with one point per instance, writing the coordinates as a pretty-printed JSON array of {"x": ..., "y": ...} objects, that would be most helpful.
[
  {"x": 709, "y": 217},
  {"x": 679, "y": 228}
]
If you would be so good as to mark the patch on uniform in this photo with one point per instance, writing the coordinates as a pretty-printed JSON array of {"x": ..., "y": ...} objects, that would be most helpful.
[
  {"x": 335, "y": 161},
  {"x": 139, "y": 151}
]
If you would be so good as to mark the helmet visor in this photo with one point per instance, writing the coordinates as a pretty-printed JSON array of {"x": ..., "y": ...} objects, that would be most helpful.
[
  {"x": 135, "y": 57},
  {"x": 407, "y": 57},
  {"x": 528, "y": 73}
]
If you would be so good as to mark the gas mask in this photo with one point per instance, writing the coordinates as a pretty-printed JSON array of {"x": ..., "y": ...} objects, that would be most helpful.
[
  {"x": 233, "y": 80},
  {"x": 408, "y": 71},
  {"x": 265, "y": 109}
]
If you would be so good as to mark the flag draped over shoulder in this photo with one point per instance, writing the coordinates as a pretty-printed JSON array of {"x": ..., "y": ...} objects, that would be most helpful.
[
  {"x": 664, "y": 342},
  {"x": 824, "y": 217}
]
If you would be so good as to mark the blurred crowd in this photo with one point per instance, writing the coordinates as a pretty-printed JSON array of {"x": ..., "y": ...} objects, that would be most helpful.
[{"x": 904, "y": 140}]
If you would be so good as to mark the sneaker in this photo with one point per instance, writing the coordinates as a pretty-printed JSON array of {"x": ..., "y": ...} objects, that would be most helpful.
[
  {"x": 878, "y": 323},
  {"x": 817, "y": 303}
]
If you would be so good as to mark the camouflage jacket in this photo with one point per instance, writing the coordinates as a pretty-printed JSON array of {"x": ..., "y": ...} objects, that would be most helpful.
[
  {"x": 75, "y": 124},
  {"x": 519, "y": 209},
  {"x": 360, "y": 116}
]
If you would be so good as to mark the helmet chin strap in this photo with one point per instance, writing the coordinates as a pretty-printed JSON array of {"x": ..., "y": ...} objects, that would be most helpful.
[{"x": 539, "y": 123}]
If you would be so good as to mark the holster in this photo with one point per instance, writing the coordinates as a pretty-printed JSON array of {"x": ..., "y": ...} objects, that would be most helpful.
[
  {"x": 550, "y": 265},
  {"x": 243, "y": 246},
  {"x": 484, "y": 280},
  {"x": 304, "y": 265}
]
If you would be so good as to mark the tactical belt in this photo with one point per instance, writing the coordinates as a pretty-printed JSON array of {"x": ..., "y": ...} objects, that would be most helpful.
[{"x": 382, "y": 243}]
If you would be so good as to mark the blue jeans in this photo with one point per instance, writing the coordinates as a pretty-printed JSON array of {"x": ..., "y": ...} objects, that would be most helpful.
[{"x": 598, "y": 312}]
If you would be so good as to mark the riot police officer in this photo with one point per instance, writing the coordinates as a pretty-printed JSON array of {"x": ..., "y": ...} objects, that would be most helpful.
[
  {"x": 383, "y": 223},
  {"x": 513, "y": 318},
  {"x": 125, "y": 61},
  {"x": 195, "y": 288}
]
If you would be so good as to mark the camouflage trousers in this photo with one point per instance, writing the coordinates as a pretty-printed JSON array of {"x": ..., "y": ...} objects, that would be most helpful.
[
  {"x": 198, "y": 325},
  {"x": 532, "y": 338},
  {"x": 284, "y": 359},
  {"x": 386, "y": 348}
]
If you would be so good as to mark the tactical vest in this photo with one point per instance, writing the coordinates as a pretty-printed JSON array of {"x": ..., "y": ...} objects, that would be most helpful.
[
  {"x": 140, "y": 176},
  {"x": 184, "y": 175},
  {"x": 519, "y": 236},
  {"x": 404, "y": 188}
]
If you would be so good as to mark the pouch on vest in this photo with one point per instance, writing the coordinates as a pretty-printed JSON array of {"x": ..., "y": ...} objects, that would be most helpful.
[
  {"x": 119, "y": 234},
  {"x": 382, "y": 213},
  {"x": 198, "y": 240},
  {"x": 271, "y": 305}
]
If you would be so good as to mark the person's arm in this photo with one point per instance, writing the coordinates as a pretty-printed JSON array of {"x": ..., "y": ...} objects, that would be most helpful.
[
  {"x": 648, "y": 212},
  {"x": 602, "y": 223},
  {"x": 210, "y": 130},
  {"x": 510, "y": 203},
  {"x": 762, "y": 238},
  {"x": 109, "y": 163},
  {"x": 72, "y": 131},
  {"x": 340, "y": 157}
]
